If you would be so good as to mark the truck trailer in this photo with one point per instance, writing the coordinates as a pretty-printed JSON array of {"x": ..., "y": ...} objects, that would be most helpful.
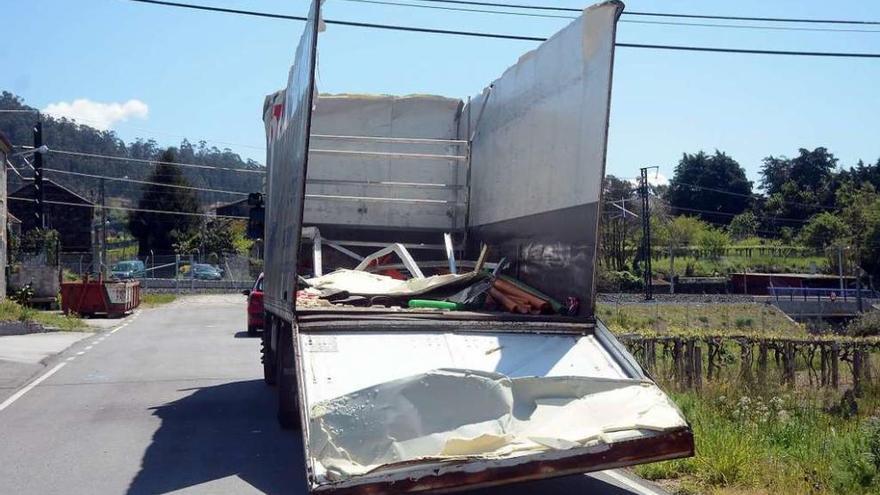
[{"x": 453, "y": 344}]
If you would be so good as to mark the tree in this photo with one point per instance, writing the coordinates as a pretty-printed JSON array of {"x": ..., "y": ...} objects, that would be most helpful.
[
  {"x": 158, "y": 232},
  {"x": 695, "y": 187},
  {"x": 743, "y": 226},
  {"x": 823, "y": 230},
  {"x": 619, "y": 227},
  {"x": 713, "y": 241},
  {"x": 799, "y": 187},
  {"x": 215, "y": 239},
  {"x": 678, "y": 232}
]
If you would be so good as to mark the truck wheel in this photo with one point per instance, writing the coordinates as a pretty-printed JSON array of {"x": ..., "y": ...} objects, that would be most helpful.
[
  {"x": 268, "y": 357},
  {"x": 288, "y": 411}
]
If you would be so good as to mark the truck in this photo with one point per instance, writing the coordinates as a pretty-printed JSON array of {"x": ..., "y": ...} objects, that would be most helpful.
[{"x": 406, "y": 368}]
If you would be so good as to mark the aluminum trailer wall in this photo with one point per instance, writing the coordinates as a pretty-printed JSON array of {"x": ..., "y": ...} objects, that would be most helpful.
[
  {"x": 371, "y": 162},
  {"x": 538, "y": 157}
]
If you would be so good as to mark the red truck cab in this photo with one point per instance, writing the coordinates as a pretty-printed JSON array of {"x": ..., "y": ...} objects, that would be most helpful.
[{"x": 255, "y": 307}]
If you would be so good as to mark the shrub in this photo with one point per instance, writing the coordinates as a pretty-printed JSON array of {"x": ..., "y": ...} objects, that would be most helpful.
[
  {"x": 743, "y": 323},
  {"x": 866, "y": 324},
  {"x": 611, "y": 281}
]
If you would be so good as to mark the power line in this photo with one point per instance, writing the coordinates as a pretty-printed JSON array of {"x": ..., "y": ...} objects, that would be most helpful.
[
  {"x": 628, "y": 21},
  {"x": 507, "y": 36},
  {"x": 153, "y": 162},
  {"x": 661, "y": 14},
  {"x": 119, "y": 179},
  {"x": 752, "y": 195},
  {"x": 124, "y": 208}
]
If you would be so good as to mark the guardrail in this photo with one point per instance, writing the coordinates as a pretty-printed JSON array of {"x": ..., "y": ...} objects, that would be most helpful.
[{"x": 806, "y": 293}]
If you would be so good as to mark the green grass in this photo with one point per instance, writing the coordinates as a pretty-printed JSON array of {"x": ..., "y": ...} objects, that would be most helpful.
[
  {"x": 12, "y": 311},
  {"x": 776, "y": 442},
  {"x": 153, "y": 300},
  {"x": 698, "y": 319},
  {"x": 706, "y": 267}
]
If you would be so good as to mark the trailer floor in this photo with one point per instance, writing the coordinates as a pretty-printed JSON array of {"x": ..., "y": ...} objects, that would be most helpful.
[{"x": 174, "y": 402}]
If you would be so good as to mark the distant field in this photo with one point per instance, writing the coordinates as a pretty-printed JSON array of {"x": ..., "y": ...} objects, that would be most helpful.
[{"x": 698, "y": 318}]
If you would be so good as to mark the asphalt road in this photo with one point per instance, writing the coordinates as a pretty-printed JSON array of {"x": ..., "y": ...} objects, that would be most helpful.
[{"x": 173, "y": 401}]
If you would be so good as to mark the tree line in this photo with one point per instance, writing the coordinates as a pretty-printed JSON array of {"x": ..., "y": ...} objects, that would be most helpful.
[
  {"x": 807, "y": 201},
  {"x": 64, "y": 134}
]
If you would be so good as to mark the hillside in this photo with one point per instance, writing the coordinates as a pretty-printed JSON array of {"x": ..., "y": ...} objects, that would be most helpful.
[{"x": 63, "y": 134}]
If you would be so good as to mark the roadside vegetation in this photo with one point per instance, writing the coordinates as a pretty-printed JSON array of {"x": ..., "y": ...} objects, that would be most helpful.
[
  {"x": 13, "y": 311},
  {"x": 775, "y": 441},
  {"x": 698, "y": 319},
  {"x": 151, "y": 300},
  {"x": 806, "y": 214}
]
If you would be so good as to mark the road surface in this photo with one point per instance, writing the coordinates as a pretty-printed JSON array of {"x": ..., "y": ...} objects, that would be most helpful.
[{"x": 173, "y": 401}]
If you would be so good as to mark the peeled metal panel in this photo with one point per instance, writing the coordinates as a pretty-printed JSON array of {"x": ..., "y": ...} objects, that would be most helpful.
[
  {"x": 379, "y": 406},
  {"x": 538, "y": 157},
  {"x": 287, "y": 116}
]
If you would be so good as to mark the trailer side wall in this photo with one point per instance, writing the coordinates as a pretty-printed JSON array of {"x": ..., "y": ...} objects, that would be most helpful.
[{"x": 538, "y": 157}]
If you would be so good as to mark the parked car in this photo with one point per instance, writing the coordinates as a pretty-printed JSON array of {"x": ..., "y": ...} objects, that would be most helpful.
[
  {"x": 255, "y": 306},
  {"x": 202, "y": 271},
  {"x": 128, "y": 269}
]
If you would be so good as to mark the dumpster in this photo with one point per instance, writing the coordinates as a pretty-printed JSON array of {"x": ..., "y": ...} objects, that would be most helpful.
[{"x": 91, "y": 297}]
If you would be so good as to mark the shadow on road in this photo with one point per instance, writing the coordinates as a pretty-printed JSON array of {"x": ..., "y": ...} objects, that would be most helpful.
[
  {"x": 217, "y": 432},
  {"x": 244, "y": 335}
]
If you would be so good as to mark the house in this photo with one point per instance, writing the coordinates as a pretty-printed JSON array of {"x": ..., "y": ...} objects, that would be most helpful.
[
  {"x": 238, "y": 208},
  {"x": 66, "y": 211}
]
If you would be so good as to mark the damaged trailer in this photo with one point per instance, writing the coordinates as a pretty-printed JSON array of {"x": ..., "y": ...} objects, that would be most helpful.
[{"x": 513, "y": 378}]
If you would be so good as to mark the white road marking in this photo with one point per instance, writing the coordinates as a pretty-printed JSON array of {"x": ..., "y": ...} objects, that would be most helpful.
[
  {"x": 80, "y": 353},
  {"x": 637, "y": 488},
  {"x": 8, "y": 402},
  {"x": 89, "y": 347},
  {"x": 71, "y": 358}
]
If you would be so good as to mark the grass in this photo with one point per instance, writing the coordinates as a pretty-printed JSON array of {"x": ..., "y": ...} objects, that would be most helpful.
[
  {"x": 707, "y": 267},
  {"x": 153, "y": 300},
  {"x": 12, "y": 311},
  {"x": 698, "y": 319},
  {"x": 776, "y": 442}
]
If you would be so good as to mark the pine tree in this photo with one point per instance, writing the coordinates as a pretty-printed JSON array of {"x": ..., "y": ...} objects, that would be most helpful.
[{"x": 158, "y": 232}]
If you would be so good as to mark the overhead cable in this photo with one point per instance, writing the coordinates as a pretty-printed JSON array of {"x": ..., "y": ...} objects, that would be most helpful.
[
  {"x": 153, "y": 162},
  {"x": 508, "y": 36},
  {"x": 628, "y": 21},
  {"x": 661, "y": 14}
]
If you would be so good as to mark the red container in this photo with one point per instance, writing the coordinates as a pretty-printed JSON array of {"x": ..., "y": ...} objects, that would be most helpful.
[{"x": 91, "y": 297}]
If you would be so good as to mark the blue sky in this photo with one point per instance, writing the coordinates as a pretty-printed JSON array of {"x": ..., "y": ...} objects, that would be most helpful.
[{"x": 204, "y": 75}]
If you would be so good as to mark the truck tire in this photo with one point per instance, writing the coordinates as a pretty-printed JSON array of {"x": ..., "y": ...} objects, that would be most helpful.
[
  {"x": 268, "y": 357},
  {"x": 288, "y": 409}
]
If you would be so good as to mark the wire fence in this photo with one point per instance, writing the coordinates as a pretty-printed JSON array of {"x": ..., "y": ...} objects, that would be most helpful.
[{"x": 172, "y": 272}]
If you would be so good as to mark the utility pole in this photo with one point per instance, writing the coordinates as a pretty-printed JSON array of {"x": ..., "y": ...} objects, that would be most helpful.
[
  {"x": 840, "y": 270},
  {"x": 38, "y": 175},
  {"x": 103, "y": 229},
  {"x": 858, "y": 271},
  {"x": 646, "y": 233}
]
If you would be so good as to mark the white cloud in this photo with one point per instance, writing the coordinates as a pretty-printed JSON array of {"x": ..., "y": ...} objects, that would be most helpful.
[{"x": 96, "y": 114}]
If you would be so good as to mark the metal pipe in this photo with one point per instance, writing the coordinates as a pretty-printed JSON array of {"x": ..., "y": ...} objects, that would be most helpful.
[
  {"x": 386, "y": 154},
  {"x": 381, "y": 139}
]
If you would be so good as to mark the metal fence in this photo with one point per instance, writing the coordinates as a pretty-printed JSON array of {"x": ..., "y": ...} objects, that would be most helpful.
[{"x": 174, "y": 272}]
